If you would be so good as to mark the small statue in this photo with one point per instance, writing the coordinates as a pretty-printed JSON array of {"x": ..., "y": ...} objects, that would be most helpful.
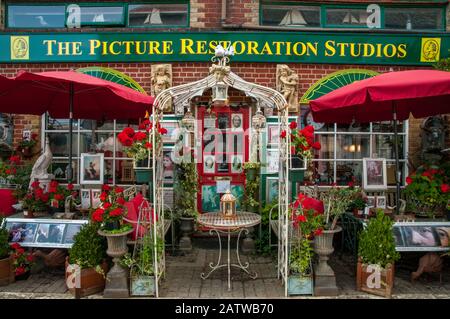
[
  {"x": 433, "y": 138},
  {"x": 287, "y": 84},
  {"x": 161, "y": 80},
  {"x": 41, "y": 165}
]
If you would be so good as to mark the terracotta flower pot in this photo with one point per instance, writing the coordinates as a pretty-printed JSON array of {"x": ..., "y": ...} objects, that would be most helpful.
[
  {"x": 6, "y": 271},
  {"x": 374, "y": 279}
]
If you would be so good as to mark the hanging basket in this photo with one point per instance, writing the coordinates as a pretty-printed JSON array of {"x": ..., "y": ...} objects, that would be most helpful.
[{"x": 143, "y": 164}]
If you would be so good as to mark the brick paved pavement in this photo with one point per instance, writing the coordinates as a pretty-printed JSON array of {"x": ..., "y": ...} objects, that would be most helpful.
[{"x": 183, "y": 279}]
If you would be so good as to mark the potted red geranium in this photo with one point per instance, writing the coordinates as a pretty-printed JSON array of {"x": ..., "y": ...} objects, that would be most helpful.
[
  {"x": 26, "y": 145},
  {"x": 36, "y": 200},
  {"x": 57, "y": 196},
  {"x": 138, "y": 145},
  {"x": 22, "y": 262},
  {"x": 302, "y": 149}
]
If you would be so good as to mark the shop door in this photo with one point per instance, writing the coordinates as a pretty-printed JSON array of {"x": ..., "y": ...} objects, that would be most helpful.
[{"x": 224, "y": 151}]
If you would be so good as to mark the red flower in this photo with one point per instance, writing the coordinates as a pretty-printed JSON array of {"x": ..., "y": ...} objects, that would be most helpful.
[
  {"x": 118, "y": 190},
  {"x": 106, "y": 188},
  {"x": 103, "y": 196},
  {"x": 148, "y": 145},
  {"x": 139, "y": 136},
  {"x": 127, "y": 142},
  {"x": 35, "y": 184},
  {"x": 409, "y": 180},
  {"x": 301, "y": 218},
  {"x": 283, "y": 134},
  {"x": 54, "y": 183},
  {"x": 52, "y": 189},
  {"x": 351, "y": 184},
  {"x": 116, "y": 212},
  {"x": 121, "y": 201},
  {"x": 318, "y": 232},
  {"x": 20, "y": 270},
  {"x": 309, "y": 128},
  {"x": 445, "y": 188},
  {"x": 97, "y": 215},
  {"x": 293, "y": 149},
  {"x": 20, "y": 251},
  {"x": 163, "y": 130},
  {"x": 107, "y": 205},
  {"x": 44, "y": 197},
  {"x": 14, "y": 160},
  {"x": 70, "y": 187},
  {"x": 316, "y": 146},
  {"x": 16, "y": 246},
  {"x": 129, "y": 131},
  {"x": 30, "y": 258},
  {"x": 59, "y": 197},
  {"x": 293, "y": 125},
  {"x": 8, "y": 171}
]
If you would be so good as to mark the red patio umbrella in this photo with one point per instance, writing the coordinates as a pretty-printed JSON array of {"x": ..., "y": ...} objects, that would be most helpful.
[
  {"x": 71, "y": 95},
  {"x": 389, "y": 96}
]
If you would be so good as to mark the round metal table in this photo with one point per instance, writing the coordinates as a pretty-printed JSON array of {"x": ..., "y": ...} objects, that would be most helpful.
[{"x": 220, "y": 225}]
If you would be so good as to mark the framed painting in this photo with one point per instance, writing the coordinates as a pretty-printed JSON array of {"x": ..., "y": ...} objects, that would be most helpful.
[
  {"x": 374, "y": 174},
  {"x": 271, "y": 189},
  {"x": 210, "y": 198},
  {"x": 91, "y": 168},
  {"x": 168, "y": 164}
]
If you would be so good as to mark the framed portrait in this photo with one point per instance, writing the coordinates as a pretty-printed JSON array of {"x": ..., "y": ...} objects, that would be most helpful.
[
  {"x": 95, "y": 197},
  {"x": 223, "y": 186},
  {"x": 273, "y": 135},
  {"x": 237, "y": 162},
  {"x": 71, "y": 231},
  {"x": 85, "y": 195},
  {"x": 91, "y": 168},
  {"x": 422, "y": 236},
  {"x": 236, "y": 122},
  {"x": 374, "y": 173},
  {"x": 168, "y": 164},
  {"x": 371, "y": 201},
  {"x": 210, "y": 198},
  {"x": 172, "y": 131},
  {"x": 209, "y": 164},
  {"x": 271, "y": 189},
  {"x": 272, "y": 159},
  {"x": 238, "y": 192},
  {"x": 381, "y": 201}
]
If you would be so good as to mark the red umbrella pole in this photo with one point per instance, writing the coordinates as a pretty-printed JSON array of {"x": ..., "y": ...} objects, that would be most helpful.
[
  {"x": 397, "y": 164},
  {"x": 70, "y": 131}
]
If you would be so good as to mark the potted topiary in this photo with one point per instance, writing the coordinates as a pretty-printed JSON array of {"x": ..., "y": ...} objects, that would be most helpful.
[
  {"x": 86, "y": 264},
  {"x": 6, "y": 264},
  {"x": 376, "y": 257},
  {"x": 251, "y": 170}
]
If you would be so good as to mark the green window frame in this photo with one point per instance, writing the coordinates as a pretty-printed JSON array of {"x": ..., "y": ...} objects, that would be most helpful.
[
  {"x": 325, "y": 9},
  {"x": 124, "y": 20}
]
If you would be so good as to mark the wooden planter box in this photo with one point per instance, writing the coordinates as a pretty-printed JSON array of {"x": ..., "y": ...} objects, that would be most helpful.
[
  {"x": 368, "y": 282},
  {"x": 90, "y": 281},
  {"x": 6, "y": 271},
  {"x": 142, "y": 285},
  {"x": 300, "y": 285}
]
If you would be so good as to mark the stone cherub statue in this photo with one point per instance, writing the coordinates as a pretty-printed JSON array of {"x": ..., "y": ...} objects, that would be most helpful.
[
  {"x": 41, "y": 165},
  {"x": 161, "y": 80},
  {"x": 287, "y": 84}
]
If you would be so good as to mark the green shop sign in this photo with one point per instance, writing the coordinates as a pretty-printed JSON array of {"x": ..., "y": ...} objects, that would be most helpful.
[{"x": 299, "y": 47}]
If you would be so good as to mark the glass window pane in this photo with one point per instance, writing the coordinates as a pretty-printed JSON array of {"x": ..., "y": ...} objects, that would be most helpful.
[
  {"x": 384, "y": 146},
  {"x": 36, "y": 16},
  {"x": 59, "y": 144},
  {"x": 347, "y": 17},
  {"x": 327, "y": 146},
  {"x": 146, "y": 15},
  {"x": 353, "y": 127},
  {"x": 102, "y": 15},
  {"x": 352, "y": 146},
  {"x": 324, "y": 172},
  {"x": 121, "y": 124},
  {"x": 104, "y": 143},
  {"x": 124, "y": 172},
  {"x": 347, "y": 172},
  {"x": 413, "y": 18},
  {"x": 387, "y": 127},
  {"x": 390, "y": 172},
  {"x": 290, "y": 16},
  {"x": 60, "y": 124},
  {"x": 108, "y": 173}
]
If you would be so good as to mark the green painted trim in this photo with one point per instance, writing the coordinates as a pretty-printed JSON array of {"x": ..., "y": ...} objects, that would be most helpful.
[
  {"x": 311, "y": 92},
  {"x": 110, "y": 74}
]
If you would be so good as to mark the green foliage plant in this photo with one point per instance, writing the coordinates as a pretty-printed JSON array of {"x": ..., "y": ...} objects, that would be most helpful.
[
  {"x": 252, "y": 165},
  {"x": 250, "y": 193},
  {"x": 89, "y": 248},
  {"x": 186, "y": 186},
  {"x": 337, "y": 201},
  {"x": 5, "y": 249},
  {"x": 300, "y": 257},
  {"x": 377, "y": 242},
  {"x": 142, "y": 263}
]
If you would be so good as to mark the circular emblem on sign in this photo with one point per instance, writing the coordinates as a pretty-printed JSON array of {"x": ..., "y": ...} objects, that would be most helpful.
[
  {"x": 20, "y": 48},
  {"x": 430, "y": 49}
]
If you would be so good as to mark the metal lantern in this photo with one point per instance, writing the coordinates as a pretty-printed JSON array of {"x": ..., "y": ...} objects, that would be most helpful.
[
  {"x": 188, "y": 121},
  {"x": 228, "y": 205},
  {"x": 220, "y": 92},
  {"x": 259, "y": 120}
]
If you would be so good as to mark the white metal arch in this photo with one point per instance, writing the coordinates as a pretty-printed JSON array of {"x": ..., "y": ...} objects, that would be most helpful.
[{"x": 267, "y": 97}]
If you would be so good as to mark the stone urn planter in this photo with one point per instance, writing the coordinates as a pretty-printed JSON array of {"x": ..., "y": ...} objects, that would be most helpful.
[
  {"x": 186, "y": 228},
  {"x": 117, "y": 277},
  {"x": 325, "y": 279}
]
